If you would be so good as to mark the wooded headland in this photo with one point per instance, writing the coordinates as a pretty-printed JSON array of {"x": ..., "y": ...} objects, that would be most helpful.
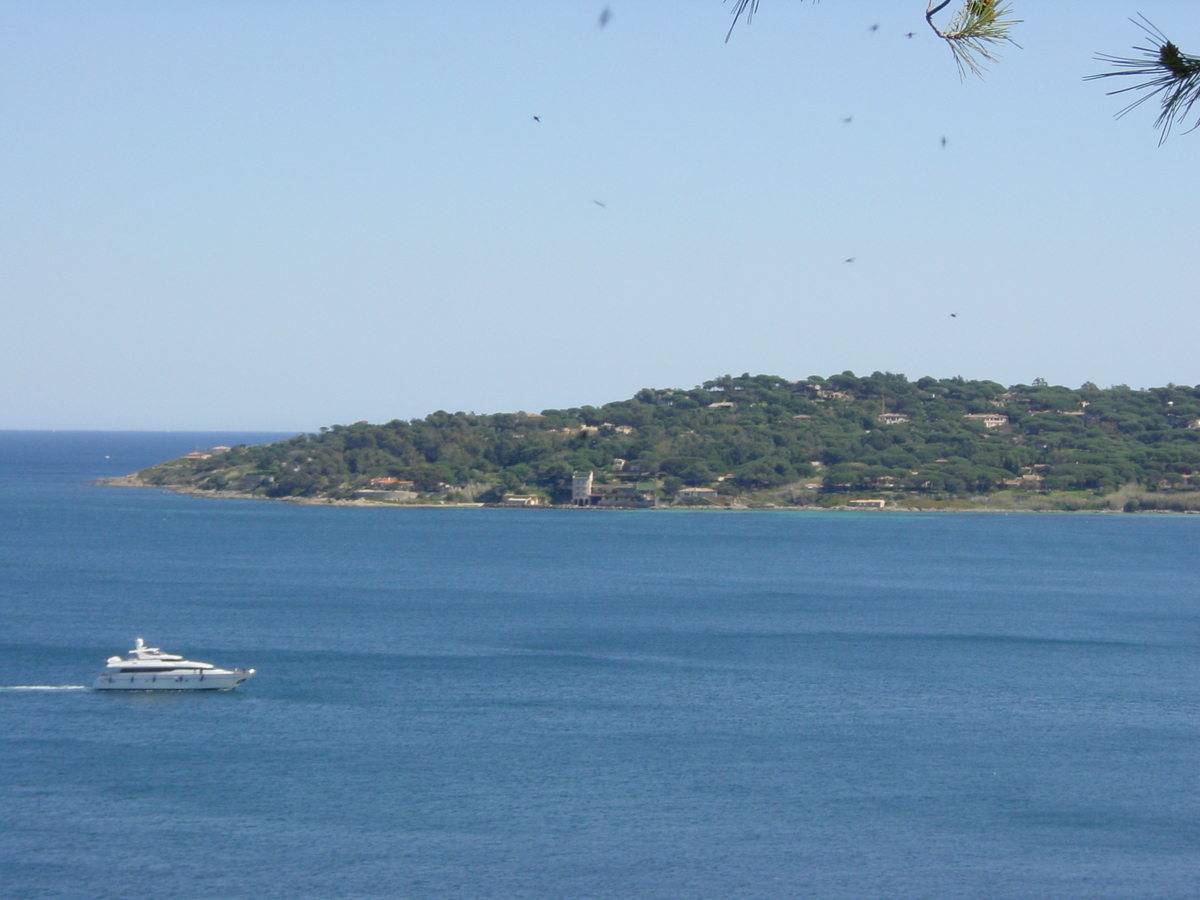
[{"x": 754, "y": 440}]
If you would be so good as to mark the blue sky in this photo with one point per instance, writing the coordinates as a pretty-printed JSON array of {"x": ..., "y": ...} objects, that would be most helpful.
[{"x": 283, "y": 215}]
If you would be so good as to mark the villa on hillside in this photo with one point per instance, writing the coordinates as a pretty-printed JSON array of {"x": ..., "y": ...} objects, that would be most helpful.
[{"x": 988, "y": 420}]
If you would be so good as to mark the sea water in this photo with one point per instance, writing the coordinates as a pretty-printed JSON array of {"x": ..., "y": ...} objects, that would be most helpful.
[{"x": 493, "y": 703}]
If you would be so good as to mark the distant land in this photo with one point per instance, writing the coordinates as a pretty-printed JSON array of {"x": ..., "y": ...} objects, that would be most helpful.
[{"x": 754, "y": 441}]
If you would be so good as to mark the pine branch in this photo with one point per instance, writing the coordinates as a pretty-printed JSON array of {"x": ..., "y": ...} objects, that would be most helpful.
[
  {"x": 974, "y": 32},
  {"x": 1172, "y": 76}
]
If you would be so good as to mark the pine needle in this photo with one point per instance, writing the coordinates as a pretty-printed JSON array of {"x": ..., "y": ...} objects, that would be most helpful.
[{"x": 749, "y": 7}]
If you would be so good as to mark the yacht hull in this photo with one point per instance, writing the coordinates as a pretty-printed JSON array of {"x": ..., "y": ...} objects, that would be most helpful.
[{"x": 167, "y": 681}]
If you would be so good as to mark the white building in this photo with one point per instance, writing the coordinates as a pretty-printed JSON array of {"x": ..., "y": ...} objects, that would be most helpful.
[
  {"x": 581, "y": 488},
  {"x": 520, "y": 500},
  {"x": 989, "y": 420}
]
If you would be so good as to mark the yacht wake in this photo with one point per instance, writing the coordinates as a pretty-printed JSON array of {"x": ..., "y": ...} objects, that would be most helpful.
[{"x": 43, "y": 687}]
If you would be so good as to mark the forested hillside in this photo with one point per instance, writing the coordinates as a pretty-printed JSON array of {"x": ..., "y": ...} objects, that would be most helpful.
[{"x": 818, "y": 440}]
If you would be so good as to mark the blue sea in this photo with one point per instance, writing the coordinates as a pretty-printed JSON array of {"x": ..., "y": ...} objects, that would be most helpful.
[{"x": 491, "y": 703}]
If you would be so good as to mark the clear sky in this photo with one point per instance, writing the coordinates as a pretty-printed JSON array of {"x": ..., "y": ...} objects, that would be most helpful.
[{"x": 283, "y": 215}]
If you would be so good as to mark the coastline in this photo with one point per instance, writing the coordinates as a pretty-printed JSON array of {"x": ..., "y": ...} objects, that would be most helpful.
[
  {"x": 132, "y": 481},
  {"x": 957, "y": 506}
]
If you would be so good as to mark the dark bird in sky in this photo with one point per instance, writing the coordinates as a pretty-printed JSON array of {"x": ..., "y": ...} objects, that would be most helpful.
[
  {"x": 875, "y": 27},
  {"x": 954, "y": 315},
  {"x": 847, "y": 120},
  {"x": 598, "y": 203},
  {"x": 537, "y": 118},
  {"x": 851, "y": 259},
  {"x": 944, "y": 142},
  {"x": 605, "y": 15}
]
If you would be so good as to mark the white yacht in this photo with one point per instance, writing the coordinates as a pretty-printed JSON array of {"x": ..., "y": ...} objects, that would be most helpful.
[{"x": 149, "y": 669}]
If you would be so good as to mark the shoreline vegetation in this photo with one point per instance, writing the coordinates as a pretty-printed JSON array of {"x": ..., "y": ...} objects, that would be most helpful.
[
  {"x": 999, "y": 503},
  {"x": 748, "y": 443}
]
